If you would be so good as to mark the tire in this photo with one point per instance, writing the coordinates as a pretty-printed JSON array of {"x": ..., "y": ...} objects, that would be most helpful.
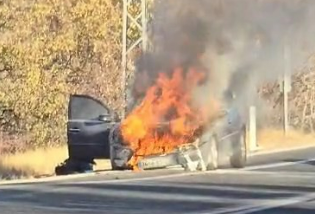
[
  {"x": 213, "y": 155},
  {"x": 120, "y": 157},
  {"x": 72, "y": 166},
  {"x": 239, "y": 153},
  {"x": 119, "y": 154},
  {"x": 84, "y": 167}
]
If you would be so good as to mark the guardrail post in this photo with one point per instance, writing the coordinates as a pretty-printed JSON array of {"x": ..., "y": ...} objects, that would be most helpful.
[{"x": 252, "y": 130}]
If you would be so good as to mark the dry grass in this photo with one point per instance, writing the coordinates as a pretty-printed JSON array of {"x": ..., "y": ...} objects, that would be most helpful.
[
  {"x": 32, "y": 163},
  {"x": 38, "y": 163},
  {"x": 271, "y": 139}
]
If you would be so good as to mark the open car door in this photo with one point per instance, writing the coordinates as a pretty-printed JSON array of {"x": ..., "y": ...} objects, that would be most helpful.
[{"x": 89, "y": 122}]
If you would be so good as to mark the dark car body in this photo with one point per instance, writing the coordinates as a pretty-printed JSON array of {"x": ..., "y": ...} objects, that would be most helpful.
[
  {"x": 90, "y": 121},
  {"x": 88, "y": 126}
]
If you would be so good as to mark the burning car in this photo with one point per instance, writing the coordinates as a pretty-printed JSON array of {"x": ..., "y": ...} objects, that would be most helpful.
[
  {"x": 183, "y": 109},
  {"x": 96, "y": 132}
]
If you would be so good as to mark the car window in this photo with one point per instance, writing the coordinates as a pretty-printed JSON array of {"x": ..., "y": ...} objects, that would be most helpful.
[{"x": 86, "y": 108}]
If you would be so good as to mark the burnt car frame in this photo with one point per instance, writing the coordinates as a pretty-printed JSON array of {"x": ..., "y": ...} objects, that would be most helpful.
[{"x": 91, "y": 124}]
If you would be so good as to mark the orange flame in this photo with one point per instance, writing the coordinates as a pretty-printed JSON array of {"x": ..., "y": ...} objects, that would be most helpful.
[{"x": 166, "y": 118}]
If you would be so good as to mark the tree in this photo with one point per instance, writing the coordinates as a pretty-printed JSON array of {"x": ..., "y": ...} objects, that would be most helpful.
[{"x": 50, "y": 49}]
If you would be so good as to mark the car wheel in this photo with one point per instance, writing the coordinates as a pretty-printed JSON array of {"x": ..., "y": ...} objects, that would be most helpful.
[
  {"x": 119, "y": 154},
  {"x": 239, "y": 153},
  {"x": 63, "y": 168},
  {"x": 213, "y": 155},
  {"x": 120, "y": 157},
  {"x": 73, "y": 166}
]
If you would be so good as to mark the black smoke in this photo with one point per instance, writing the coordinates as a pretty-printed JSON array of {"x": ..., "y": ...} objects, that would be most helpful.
[{"x": 238, "y": 43}]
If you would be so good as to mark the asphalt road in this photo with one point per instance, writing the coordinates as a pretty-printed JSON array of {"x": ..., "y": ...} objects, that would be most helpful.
[{"x": 272, "y": 184}]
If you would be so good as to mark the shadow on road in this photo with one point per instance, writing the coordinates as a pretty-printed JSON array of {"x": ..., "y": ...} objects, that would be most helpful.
[
  {"x": 191, "y": 190},
  {"x": 312, "y": 163},
  {"x": 102, "y": 201},
  {"x": 143, "y": 198}
]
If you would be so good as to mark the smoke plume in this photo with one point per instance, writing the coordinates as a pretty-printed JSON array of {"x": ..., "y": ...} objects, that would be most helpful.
[{"x": 240, "y": 43}]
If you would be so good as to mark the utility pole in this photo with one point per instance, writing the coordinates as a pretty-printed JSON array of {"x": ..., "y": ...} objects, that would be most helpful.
[{"x": 132, "y": 21}]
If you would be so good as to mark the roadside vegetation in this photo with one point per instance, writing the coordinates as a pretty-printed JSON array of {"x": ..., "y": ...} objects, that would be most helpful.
[
  {"x": 31, "y": 164},
  {"x": 48, "y": 50}
]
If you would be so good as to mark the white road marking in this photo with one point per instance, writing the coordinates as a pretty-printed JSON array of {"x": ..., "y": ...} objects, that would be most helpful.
[
  {"x": 159, "y": 177},
  {"x": 274, "y": 173},
  {"x": 227, "y": 210},
  {"x": 277, "y": 203},
  {"x": 259, "y": 153},
  {"x": 68, "y": 177},
  {"x": 275, "y": 165},
  {"x": 57, "y": 178},
  {"x": 263, "y": 205}
]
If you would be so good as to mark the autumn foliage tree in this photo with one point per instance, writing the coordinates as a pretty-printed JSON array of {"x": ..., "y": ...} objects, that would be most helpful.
[{"x": 48, "y": 50}]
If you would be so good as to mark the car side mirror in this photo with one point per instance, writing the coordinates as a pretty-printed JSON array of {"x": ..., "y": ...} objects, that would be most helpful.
[{"x": 105, "y": 118}]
